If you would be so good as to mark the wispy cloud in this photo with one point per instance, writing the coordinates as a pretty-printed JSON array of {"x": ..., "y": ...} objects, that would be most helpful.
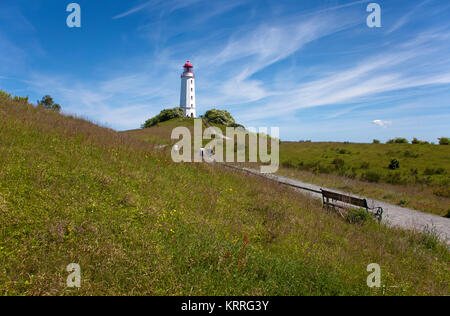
[
  {"x": 162, "y": 6},
  {"x": 405, "y": 19},
  {"x": 136, "y": 9}
]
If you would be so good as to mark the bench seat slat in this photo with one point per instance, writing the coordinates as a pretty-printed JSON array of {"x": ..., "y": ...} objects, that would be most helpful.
[{"x": 345, "y": 198}]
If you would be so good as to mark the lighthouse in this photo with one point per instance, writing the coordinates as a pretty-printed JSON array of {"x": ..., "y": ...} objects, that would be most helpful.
[{"x": 187, "y": 95}]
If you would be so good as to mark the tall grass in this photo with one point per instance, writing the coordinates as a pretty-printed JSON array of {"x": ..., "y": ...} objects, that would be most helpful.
[{"x": 137, "y": 223}]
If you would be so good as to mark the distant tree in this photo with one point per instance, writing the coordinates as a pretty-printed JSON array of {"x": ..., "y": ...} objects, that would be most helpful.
[
  {"x": 222, "y": 117},
  {"x": 415, "y": 141},
  {"x": 48, "y": 103},
  {"x": 444, "y": 141},
  {"x": 397, "y": 141},
  {"x": 376, "y": 141},
  {"x": 164, "y": 115}
]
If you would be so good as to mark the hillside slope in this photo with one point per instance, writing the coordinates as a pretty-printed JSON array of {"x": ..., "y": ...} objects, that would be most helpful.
[{"x": 137, "y": 223}]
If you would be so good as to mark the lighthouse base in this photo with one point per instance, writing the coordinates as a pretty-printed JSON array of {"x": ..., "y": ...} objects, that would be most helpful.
[{"x": 189, "y": 112}]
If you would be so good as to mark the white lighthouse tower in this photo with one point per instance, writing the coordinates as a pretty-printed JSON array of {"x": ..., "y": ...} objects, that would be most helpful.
[{"x": 187, "y": 96}]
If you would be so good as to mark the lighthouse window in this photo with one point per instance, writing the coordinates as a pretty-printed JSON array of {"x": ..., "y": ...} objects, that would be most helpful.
[{"x": 192, "y": 97}]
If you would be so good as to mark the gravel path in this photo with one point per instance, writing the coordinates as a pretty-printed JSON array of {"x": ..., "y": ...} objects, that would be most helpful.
[{"x": 394, "y": 215}]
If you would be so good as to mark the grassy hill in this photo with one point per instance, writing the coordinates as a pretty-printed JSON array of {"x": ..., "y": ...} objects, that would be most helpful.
[
  {"x": 160, "y": 133},
  {"x": 137, "y": 223}
]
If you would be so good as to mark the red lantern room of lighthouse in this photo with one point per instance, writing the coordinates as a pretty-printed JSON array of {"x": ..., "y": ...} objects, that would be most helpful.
[{"x": 187, "y": 95}]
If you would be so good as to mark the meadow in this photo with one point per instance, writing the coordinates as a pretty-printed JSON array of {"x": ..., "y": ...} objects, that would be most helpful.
[
  {"x": 421, "y": 179},
  {"x": 140, "y": 224}
]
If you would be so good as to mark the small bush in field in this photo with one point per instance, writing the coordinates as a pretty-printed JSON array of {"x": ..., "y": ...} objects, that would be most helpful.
[
  {"x": 394, "y": 164},
  {"x": 444, "y": 141},
  {"x": 376, "y": 141},
  {"x": 358, "y": 216}
]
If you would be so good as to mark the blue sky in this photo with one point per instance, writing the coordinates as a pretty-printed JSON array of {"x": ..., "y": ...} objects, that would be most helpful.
[{"x": 312, "y": 67}]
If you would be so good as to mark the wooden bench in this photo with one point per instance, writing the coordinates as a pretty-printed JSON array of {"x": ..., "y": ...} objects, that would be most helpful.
[{"x": 330, "y": 198}]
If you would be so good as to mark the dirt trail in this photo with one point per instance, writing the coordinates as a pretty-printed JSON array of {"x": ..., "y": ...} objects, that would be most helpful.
[{"x": 394, "y": 215}]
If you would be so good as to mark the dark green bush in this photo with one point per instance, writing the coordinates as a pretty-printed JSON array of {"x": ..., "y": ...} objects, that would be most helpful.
[
  {"x": 415, "y": 141},
  {"x": 394, "y": 164},
  {"x": 164, "y": 115},
  {"x": 444, "y": 141},
  {"x": 222, "y": 117},
  {"x": 376, "y": 141},
  {"x": 48, "y": 103},
  {"x": 397, "y": 141}
]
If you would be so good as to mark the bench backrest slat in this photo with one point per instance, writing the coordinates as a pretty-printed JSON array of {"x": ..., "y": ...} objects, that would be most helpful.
[{"x": 345, "y": 198}]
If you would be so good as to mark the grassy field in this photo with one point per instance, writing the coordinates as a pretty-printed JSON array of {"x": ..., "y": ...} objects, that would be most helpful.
[
  {"x": 422, "y": 180},
  {"x": 139, "y": 224}
]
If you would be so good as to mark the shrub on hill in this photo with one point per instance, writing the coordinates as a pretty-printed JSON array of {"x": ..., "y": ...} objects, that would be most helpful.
[
  {"x": 376, "y": 141},
  {"x": 397, "y": 141},
  {"x": 4, "y": 94},
  {"x": 415, "y": 141},
  {"x": 221, "y": 117},
  {"x": 48, "y": 103},
  {"x": 444, "y": 141},
  {"x": 164, "y": 115}
]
